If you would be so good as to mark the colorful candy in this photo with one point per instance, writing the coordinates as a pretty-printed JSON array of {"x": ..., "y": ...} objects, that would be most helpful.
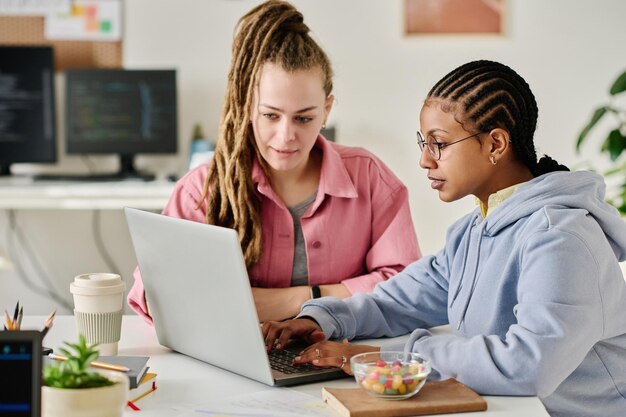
[{"x": 390, "y": 379}]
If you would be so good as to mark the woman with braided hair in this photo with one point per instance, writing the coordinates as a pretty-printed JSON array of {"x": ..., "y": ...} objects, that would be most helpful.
[
  {"x": 529, "y": 282},
  {"x": 314, "y": 218}
]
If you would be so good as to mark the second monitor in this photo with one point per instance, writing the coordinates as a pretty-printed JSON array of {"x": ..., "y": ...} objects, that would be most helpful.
[{"x": 124, "y": 112}]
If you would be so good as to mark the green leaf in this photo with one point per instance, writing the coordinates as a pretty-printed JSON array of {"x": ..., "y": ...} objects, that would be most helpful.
[
  {"x": 616, "y": 170},
  {"x": 65, "y": 352},
  {"x": 622, "y": 208},
  {"x": 615, "y": 143},
  {"x": 72, "y": 372},
  {"x": 90, "y": 358},
  {"x": 619, "y": 85},
  {"x": 597, "y": 115}
]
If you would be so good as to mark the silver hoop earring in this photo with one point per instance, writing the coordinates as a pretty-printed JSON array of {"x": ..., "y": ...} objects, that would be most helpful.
[{"x": 493, "y": 160}]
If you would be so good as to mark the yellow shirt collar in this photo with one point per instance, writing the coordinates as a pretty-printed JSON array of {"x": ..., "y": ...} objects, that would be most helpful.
[{"x": 496, "y": 199}]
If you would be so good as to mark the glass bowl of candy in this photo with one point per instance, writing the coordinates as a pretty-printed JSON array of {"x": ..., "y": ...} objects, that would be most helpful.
[{"x": 390, "y": 375}]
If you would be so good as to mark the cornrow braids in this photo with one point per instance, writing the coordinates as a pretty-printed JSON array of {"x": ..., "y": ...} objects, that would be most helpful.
[
  {"x": 272, "y": 32},
  {"x": 492, "y": 95}
]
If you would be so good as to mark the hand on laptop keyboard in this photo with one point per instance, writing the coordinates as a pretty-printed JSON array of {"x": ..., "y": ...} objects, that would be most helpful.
[
  {"x": 277, "y": 334},
  {"x": 282, "y": 360}
]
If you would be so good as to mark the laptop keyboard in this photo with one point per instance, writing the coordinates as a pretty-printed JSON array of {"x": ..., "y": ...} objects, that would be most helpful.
[{"x": 282, "y": 360}]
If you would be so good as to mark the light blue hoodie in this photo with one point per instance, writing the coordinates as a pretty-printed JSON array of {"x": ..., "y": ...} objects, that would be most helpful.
[{"x": 533, "y": 293}]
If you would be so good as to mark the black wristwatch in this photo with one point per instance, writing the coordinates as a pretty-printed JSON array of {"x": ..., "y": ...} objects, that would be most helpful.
[{"x": 315, "y": 291}]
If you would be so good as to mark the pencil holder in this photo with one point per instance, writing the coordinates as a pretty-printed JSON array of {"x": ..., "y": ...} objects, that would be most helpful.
[{"x": 98, "y": 307}]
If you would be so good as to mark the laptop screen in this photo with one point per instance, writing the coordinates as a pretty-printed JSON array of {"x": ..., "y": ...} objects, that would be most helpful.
[{"x": 20, "y": 368}]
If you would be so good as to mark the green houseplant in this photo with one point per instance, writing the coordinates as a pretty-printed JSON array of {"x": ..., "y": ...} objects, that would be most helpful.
[
  {"x": 615, "y": 142},
  {"x": 71, "y": 388}
]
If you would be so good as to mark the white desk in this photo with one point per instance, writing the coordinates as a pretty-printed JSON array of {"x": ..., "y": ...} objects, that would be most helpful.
[
  {"x": 24, "y": 193},
  {"x": 184, "y": 382}
]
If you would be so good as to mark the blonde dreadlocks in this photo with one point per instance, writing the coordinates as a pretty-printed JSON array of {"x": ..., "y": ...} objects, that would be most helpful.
[{"x": 273, "y": 32}]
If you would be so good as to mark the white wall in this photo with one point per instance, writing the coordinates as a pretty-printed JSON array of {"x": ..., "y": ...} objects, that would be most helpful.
[{"x": 569, "y": 52}]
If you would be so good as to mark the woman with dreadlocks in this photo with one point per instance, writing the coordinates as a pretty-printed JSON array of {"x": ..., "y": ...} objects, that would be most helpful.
[
  {"x": 529, "y": 282},
  {"x": 314, "y": 218}
]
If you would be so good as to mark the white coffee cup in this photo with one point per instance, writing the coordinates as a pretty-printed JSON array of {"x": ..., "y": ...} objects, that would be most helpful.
[{"x": 98, "y": 307}]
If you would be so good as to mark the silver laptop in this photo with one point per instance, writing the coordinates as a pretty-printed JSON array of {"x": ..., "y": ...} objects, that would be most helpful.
[{"x": 201, "y": 302}]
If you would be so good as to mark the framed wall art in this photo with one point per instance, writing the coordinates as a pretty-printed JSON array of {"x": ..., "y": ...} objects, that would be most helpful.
[{"x": 437, "y": 17}]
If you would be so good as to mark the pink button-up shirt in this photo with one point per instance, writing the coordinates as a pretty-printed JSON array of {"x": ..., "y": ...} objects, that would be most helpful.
[{"x": 357, "y": 232}]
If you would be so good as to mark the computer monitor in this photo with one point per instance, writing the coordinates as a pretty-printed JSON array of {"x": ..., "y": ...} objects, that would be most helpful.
[
  {"x": 20, "y": 371},
  {"x": 27, "y": 112},
  {"x": 123, "y": 112}
]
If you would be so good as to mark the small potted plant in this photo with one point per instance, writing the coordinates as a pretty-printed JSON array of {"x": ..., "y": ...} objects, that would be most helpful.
[
  {"x": 613, "y": 117},
  {"x": 72, "y": 389}
]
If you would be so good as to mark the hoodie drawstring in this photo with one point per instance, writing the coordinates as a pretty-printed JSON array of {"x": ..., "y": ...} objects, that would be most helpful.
[
  {"x": 466, "y": 251},
  {"x": 474, "y": 275}
]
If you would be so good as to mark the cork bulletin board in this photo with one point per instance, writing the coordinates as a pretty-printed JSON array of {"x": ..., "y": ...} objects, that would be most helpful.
[{"x": 29, "y": 30}]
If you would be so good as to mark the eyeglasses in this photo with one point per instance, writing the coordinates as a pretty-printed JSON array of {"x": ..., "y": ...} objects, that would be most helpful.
[{"x": 434, "y": 147}]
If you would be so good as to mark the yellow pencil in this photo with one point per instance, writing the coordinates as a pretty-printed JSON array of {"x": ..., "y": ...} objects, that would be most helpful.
[
  {"x": 8, "y": 320},
  {"x": 97, "y": 364}
]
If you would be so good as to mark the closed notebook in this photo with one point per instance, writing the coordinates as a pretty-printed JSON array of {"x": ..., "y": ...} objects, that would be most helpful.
[
  {"x": 138, "y": 366},
  {"x": 436, "y": 397}
]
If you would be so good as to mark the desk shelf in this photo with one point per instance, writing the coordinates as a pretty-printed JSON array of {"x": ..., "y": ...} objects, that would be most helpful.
[{"x": 22, "y": 193}]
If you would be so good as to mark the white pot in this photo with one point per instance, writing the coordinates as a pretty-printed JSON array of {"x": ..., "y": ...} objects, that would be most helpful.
[{"x": 87, "y": 402}]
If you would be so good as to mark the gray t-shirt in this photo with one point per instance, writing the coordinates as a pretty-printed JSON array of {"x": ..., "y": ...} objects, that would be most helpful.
[{"x": 300, "y": 271}]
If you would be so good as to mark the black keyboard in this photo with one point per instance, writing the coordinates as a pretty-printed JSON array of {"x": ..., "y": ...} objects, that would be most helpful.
[{"x": 282, "y": 360}]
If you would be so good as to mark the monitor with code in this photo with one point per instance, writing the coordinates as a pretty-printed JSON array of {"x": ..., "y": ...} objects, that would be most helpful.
[
  {"x": 124, "y": 112},
  {"x": 27, "y": 106}
]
